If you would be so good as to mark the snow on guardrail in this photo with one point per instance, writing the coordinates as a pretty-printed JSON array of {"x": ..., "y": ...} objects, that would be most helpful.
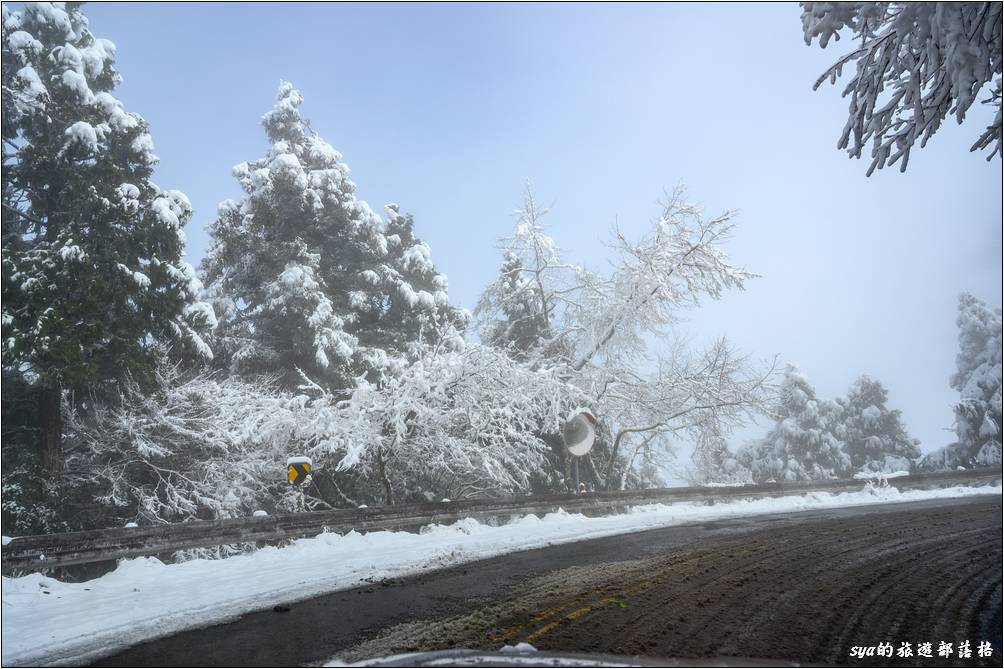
[
  {"x": 47, "y": 621},
  {"x": 72, "y": 548}
]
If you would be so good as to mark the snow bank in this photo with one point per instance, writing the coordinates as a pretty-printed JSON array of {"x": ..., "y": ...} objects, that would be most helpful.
[
  {"x": 48, "y": 622},
  {"x": 865, "y": 476}
]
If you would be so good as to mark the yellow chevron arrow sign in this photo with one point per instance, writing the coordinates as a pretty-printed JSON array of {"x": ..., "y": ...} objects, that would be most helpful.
[{"x": 298, "y": 470}]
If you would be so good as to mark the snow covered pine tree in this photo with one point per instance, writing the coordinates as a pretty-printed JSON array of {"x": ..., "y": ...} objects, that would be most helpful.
[
  {"x": 93, "y": 281},
  {"x": 874, "y": 436},
  {"x": 517, "y": 309},
  {"x": 802, "y": 445},
  {"x": 307, "y": 279},
  {"x": 978, "y": 380}
]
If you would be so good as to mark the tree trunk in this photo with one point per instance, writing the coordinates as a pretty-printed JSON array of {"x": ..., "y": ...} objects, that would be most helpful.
[
  {"x": 49, "y": 424},
  {"x": 382, "y": 470},
  {"x": 608, "y": 475},
  {"x": 630, "y": 462}
]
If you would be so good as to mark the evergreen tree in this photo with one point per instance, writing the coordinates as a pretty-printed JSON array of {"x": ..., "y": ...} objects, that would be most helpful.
[
  {"x": 874, "y": 436},
  {"x": 518, "y": 308},
  {"x": 307, "y": 278},
  {"x": 522, "y": 325},
  {"x": 93, "y": 281},
  {"x": 415, "y": 308},
  {"x": 802, "y": 444},
  {"x": 978, "y": 380}
]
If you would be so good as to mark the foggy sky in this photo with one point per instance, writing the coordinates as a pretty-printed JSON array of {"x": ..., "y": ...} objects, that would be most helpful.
[{"x": 449, "y": 110}]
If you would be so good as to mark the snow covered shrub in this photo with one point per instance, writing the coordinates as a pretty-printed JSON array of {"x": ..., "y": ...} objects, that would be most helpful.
[
  {"x": 29, "y": 500},
  {"x": 453, "y": 424},
  {"x": 193, "y": 446}
]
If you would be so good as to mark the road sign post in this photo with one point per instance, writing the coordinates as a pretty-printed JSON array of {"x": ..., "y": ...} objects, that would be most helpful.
[
  {"x": 578, "y": 435},
  {"x": 298, "y": 470}
]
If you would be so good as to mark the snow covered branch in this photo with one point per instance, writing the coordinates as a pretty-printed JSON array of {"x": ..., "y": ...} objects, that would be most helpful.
[{"x": 918, "y": 62}]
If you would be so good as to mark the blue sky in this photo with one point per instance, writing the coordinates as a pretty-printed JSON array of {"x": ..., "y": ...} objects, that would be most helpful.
[{"x": 450, "y": 109}]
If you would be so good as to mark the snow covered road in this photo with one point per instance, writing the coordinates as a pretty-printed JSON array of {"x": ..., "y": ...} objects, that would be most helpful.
[{"x": 49, "y": 622}]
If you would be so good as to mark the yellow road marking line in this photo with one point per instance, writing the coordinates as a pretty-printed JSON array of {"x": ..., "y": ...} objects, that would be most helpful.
[
  {"x": 550, "y": 626},
  {"x": 543, "y": 630},
  {"x": 544, "y": 615},
  {"x": 507, "y": 632}
]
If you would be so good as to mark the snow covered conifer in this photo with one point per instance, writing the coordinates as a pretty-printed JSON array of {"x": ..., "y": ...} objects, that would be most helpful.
[
  {"x": 305, "y": 276},
  {"x": 93, "y": 281},
  {"x": 412, "y": 303},
  {"x": 517, "y": 309},
  {"x": 978, "y": 380},
  {"x": 802, "y": 445},
  {"x": 524, "y": 325},
  {"x": 874, "y": 436}
]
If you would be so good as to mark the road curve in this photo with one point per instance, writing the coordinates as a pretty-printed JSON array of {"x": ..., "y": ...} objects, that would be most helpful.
[{"x": 804, "y": 587}]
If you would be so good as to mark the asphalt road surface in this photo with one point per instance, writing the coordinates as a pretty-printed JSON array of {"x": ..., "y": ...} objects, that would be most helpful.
[{"x": 804, "y": 587}]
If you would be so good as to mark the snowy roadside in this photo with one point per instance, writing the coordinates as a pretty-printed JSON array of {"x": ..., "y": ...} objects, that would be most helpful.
[{"x": 47, "y": 622}]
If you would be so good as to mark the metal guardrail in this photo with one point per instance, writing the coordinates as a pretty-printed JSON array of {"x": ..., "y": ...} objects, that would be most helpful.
[{"x": 45, "y": 551}]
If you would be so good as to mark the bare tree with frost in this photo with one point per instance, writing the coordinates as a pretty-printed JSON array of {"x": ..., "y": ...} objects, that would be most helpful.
[
  {"x": 517, "y": 309},
  {"x": 595, "y": 330},
  {"x": 712, "y": 463},
  {"x": 915, "y": 63},
  {"x": 693, "y": 393}
]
